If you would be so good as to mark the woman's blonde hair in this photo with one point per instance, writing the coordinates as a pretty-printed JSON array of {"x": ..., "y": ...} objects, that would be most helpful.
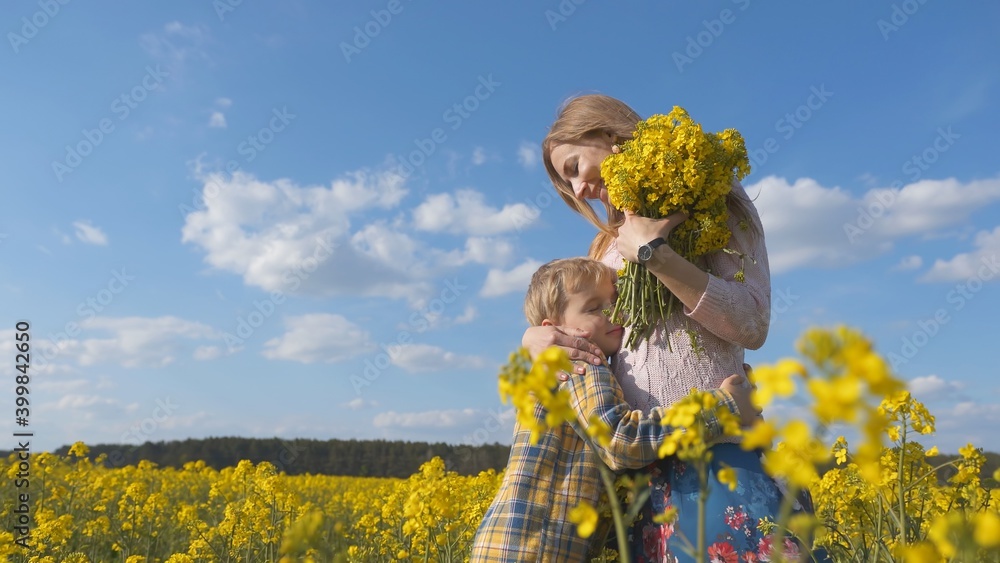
[
  {"x": 596, "y": 116},
  {"x": 552, "y": 284}
]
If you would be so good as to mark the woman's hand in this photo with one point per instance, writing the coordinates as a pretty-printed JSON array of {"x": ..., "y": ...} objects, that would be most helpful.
[
  {"x": 574, "y": 341},
  {"x": 637, "y": 231},
  {"x": 740, "y": 387}
]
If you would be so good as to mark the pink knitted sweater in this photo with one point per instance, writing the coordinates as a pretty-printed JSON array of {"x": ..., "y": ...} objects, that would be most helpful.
[{"x": 730, "y": 317}]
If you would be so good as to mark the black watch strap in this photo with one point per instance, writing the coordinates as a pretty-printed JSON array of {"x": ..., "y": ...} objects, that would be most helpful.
[{"x": 646, "y": 250}]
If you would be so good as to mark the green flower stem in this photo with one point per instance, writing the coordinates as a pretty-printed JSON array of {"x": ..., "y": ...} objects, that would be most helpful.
[
  {"x": 902, "y": 506},
  {"x": 616, "y": 512},
  {"x": 702, "y": 509}
]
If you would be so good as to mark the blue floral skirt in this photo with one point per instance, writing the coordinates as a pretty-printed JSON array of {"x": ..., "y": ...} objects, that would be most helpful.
[{"x": 731, "y": 517}]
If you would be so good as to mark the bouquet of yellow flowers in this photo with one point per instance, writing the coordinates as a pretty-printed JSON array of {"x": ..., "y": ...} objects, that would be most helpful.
[{"x": 670, "y": 165}]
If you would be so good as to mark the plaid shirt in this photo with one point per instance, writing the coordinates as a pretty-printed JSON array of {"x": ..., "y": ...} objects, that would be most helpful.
[{"x": 529, "y": 518}]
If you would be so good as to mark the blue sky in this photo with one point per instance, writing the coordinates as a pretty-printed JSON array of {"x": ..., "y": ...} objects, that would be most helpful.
[{"x": 206, "y": 226}]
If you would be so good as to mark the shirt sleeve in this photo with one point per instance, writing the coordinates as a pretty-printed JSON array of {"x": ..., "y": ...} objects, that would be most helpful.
[
  {"x": 635, "y": 436},
  {"x": 738, "y": 311}
]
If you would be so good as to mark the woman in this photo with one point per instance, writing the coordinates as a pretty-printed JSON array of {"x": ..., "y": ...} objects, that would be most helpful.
[{"x": 724, "y": 313}]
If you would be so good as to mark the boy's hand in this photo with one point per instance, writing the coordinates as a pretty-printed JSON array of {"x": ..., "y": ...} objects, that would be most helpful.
[{"x": 740, "y": 388}]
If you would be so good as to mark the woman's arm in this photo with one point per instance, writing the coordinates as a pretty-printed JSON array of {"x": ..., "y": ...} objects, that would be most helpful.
[
  {"x": 573, "y": 340},
  {"x": 736, "y": 311}
]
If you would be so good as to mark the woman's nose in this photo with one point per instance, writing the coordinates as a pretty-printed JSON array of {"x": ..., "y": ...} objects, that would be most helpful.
[{"x": 581, "y": 189}]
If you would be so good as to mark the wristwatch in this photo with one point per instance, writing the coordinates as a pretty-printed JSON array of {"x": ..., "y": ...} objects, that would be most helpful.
[{"x": 646, "y": 250}]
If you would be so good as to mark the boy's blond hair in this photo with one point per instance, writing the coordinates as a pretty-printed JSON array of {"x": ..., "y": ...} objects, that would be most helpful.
[{"x": 553, "y": 282}]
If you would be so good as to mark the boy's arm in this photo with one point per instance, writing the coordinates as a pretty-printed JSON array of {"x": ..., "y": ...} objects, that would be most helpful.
[{"x": 635, "y": 436}]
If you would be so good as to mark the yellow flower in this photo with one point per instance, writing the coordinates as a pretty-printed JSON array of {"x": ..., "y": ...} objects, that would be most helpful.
[
  {"x": 939, "y": 533},
  {"x": 836, "y": 399},
  {"x": 922, "y": 552},
  {"x": 968, "y": 451},
  {"x": 775, "y": 381},
  {"x": 987, "y": 531},
  {"x": 893, "y": 432},
  {"x": 840, "y": 450},
  {"x": 760, "y": 435},
  {"x": 727, "y": 476},
  {"x": 672, "y": 165},
  {"x": 599, "y": 430},
  {"x": 529, "y": 384},
  {"x": 79, "y": 449},
  {"x": 931, "y": 452},
  {"x": 669, "y": 516},
  {"x": 585, "y": 518}
]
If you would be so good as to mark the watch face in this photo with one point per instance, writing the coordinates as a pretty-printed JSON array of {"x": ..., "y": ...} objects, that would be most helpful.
[{"x": 645, "y": 252}]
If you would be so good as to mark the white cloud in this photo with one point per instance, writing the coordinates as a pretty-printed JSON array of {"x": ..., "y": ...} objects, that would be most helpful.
[
  {"x": 811, "y": 225},
  {"x": 52, "y": 387},
  {"x": 467, "y": 316},
  {"x": 207, "y": 352},
  {"x": 478, "y": 156},
  {"x": 136, "y": 341},
  {"x": 318, "y": 337},
  {"x": 500, "y": 282},
  {"x": 428, "y": 419},
  {"x": 223, "y": 102},
  {"x": 488, "y": 250},
  {"x": 909, "y": 263},
  {"x": 984, "y": 414},
  {"x": 528, "y": 155},
  {"x": 983, "y": 262},
  {"x": 929, "y": 205},
  {"x": 175, "y": 45},
  {"x": 424, "y": 358},
  {"x": 90, "y": 234},
  {"x": 297, "y": 239},
  {"x": 965, "y": 422},
  {"x": 466, "y": 212},
  {"x": 431, "y": 315},
  {"x": 77, "y": 401},
  {"x": 359, "y": 403},
  {"x": 217, "y": 120},
  {"x": 931, "y": 387},
  {"x": 493, "y": 251}
]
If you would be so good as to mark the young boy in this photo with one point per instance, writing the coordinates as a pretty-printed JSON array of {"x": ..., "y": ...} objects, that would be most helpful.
[{"x": 529, "y": 518}]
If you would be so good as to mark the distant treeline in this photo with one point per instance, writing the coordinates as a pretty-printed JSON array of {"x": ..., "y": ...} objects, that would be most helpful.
[{"x": 359, "y": 458}]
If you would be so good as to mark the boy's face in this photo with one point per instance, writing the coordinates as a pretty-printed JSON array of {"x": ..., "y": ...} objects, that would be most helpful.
[{"x": 586, "y": 310}]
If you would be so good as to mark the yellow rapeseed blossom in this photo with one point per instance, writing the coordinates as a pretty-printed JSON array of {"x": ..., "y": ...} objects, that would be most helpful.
[
  {"x": 689, "y": 438},
  {"x": 923, "y": 552},
  {"x": 777, "y": 380},
  {"x": 79, "y": 449},
  {"x": 760, "y": 435},
  {"x": 599, "y": 430},
  {"x": 529, "y": 384},
  {"x": 585, "y": 517},
  {"x": 671, "y": 165},
  {"x": 727, "y": 476},
  {"x": 987, "y": 529}
]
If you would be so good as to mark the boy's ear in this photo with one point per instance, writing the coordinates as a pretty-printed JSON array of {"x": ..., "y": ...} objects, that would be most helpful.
[{"x": 547, "y": 322}]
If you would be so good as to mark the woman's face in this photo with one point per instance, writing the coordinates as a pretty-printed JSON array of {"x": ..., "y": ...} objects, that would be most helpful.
[{"x": 579, "y": 164}]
